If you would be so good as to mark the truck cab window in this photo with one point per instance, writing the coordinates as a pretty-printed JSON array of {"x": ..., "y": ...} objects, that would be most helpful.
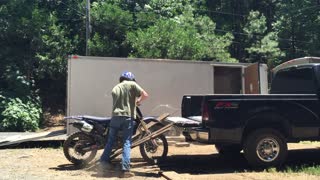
[{"x": 294, "y": 81}]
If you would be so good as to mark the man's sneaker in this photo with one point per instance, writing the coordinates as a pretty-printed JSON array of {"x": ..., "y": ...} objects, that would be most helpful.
[{"x": 126, "y": 174}]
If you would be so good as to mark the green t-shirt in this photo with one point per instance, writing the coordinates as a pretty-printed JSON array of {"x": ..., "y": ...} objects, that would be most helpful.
[{"x": 124, "y": 97}]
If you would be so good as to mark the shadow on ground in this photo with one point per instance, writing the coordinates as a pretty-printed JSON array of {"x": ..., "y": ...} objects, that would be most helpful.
[
  {"x": 138, "y": 167},
  {"x": 214, "y": 163},
  {"x": 67, "y": 167},
  {"x": 200, "y": 164},
  {"x": 35, "y": 144}
]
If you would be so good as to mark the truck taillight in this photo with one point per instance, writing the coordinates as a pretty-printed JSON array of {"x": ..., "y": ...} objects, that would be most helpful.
[{"x": 205, "y": 112}]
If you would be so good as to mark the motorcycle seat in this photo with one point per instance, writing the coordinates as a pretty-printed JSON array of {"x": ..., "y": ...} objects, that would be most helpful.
[{"x": 96, "y": 118}]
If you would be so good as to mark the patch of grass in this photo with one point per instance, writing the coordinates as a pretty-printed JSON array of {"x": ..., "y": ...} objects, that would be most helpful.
[
  {"x": 313, "y": 170},
  {"x": 271, "y": 170},
  {"x": 306, "y": 169}
]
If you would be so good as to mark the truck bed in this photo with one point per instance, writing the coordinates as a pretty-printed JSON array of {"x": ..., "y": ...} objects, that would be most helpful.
[{"x": 192, "y": 104}]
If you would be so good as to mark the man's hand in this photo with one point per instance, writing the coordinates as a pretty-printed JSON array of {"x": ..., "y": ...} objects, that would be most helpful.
[
  {"x": 138, "y": 103},
  {"x": 144, "y": 95}
]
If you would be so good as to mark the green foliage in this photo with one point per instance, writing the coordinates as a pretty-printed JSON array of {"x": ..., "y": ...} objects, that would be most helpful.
[
  {"x": 166, "y": 39},
  {"x": 170, "y": 8},
  {"x": 261, "y": 46},
  {"x": 16, "y": 83},
  {"x": 267, "y": 50},
  {"x": 182, "y": 37},
  {"x": 213, "y": 46},
  {"x": 111, "y": 18},
  {"x": 35, "y": 48},
  {"x": 145, "y": 18},
  {"x": 110, "y": 25},
  {"x": 19, "y": 116},
  {"x": 101, "y": 45},
  {"x": 53, "y": 50},
  {"x": 256, "y": 24},
  {"x": 298, "y": 24}
]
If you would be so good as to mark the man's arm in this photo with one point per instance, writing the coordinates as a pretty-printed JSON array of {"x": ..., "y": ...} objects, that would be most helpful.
[{"x": 144, "y": 95}]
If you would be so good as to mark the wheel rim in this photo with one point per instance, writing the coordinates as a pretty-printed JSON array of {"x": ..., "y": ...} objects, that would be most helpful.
[
  {"x": 268, "y": 149},
  {"x": 75, "y": 148},
  {"x": 154, "y": 151}
]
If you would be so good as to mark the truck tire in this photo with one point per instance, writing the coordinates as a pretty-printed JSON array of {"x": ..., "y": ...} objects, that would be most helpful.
[
  {"x": 265, "y": 148},
  {"x": 228, "y": 149}
]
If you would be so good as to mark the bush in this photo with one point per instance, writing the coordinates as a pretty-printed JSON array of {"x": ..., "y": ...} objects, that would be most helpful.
[{"x": 20, "y": 116}]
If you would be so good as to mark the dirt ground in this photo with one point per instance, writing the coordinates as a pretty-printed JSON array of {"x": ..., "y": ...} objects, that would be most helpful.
[{"x": 194, "y": 162}]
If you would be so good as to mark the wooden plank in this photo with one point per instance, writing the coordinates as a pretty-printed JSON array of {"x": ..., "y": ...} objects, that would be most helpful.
[
  {"x": 25, "y": 137},
  {"x": 144, "y": 139},
  {"x": 170, "y": 175},
  {"x": 163, "y": 116}
]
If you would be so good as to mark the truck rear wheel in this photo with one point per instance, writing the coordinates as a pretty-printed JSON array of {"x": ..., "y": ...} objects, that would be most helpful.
[{"x": 265, "y": 147}]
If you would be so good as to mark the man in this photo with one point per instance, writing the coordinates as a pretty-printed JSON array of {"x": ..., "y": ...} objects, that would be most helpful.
[{"x": 126, "y": 95}]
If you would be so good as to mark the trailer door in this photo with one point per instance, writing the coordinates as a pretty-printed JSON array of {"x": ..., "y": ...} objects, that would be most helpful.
[{"x": 252, "y": 79}]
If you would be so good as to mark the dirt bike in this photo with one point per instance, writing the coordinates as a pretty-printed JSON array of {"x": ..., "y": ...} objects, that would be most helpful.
[{"x": 81, "y": 147}]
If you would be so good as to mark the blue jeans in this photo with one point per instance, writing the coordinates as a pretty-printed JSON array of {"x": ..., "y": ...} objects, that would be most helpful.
[{"x": 126, "y": 125}]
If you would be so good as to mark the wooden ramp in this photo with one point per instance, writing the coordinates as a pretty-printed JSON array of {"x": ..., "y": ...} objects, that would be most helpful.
[{"x": 16, "y": 137}]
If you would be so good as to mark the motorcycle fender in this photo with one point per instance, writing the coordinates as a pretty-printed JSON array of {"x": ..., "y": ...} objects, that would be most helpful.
[{"x": 149, "y": 119}]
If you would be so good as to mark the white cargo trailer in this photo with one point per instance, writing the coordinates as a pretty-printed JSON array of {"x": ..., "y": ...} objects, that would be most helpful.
[{"x": 91, "y": 79}]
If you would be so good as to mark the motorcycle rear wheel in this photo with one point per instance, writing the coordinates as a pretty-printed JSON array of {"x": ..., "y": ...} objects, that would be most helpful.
[{"x": 73, "y": 145}]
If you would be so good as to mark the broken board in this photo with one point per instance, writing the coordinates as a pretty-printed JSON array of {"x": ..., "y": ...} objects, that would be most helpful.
[{"x": 16, "y": 138}]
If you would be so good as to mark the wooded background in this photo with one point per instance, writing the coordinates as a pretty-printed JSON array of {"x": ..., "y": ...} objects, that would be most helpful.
[{"x": 36, "y": 36}]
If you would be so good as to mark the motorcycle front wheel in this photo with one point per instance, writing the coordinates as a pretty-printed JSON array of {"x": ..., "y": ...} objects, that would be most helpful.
[
  {"x": 154, "y": 151},
  {"x": 73, "y": 148}
]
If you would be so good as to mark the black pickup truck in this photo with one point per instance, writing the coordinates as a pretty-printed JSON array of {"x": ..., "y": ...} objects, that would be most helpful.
[{"x": 261, "y": 125}]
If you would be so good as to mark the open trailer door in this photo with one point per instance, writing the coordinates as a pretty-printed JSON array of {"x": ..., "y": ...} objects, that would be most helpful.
[{"x": 252, "y": 79}]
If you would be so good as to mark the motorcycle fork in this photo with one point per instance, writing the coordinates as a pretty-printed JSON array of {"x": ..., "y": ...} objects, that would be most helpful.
[{"x": 146, "y": 129}]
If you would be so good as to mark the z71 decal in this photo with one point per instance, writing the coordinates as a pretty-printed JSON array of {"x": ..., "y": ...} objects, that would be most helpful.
[{"x": 226, "y": 105}]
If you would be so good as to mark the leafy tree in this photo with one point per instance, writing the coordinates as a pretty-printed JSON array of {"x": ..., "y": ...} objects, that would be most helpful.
[
  {"x": 266, "y": 51},
  {"x": 213, "y": 46},
  {"x": 53, "y": 50},
  {"x": 33, "y": 57},
  {"x": 231, "y": 16},
  {"x": 70, "y": 15},
  {"x": 51, "y": 63},
  {"x": 110, "y": 25},
  {"x": 18, "y": 37},
  {"x": 170, "y": 8},
  {"x": 166, "y": 39},
  {"x": 298, "y": 25},
  {"x": 261, "y": 46},
  {"x": 145, "y": 18},
  {"x": 169, "y": 39},
  {"x": 180, "y": 35}
]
